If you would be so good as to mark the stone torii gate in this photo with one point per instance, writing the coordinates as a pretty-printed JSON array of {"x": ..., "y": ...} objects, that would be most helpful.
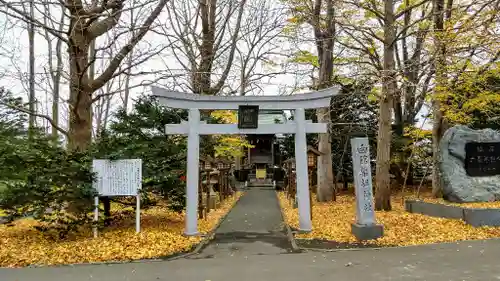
[{"x": 193, "y": 128}]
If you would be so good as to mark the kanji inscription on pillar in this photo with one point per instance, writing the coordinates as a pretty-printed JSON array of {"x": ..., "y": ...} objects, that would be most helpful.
[{"x": 365, "y": 214}]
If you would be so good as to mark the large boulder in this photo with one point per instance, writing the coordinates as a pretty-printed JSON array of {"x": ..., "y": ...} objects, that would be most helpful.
[{"x": 457, "y": 185}]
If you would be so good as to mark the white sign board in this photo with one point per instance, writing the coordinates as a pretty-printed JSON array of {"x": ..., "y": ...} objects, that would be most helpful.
[
  {"x": 365, "y": 214},
  {"x": 118, "y": 177}
]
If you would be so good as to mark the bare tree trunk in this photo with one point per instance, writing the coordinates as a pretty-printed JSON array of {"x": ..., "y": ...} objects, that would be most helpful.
[
  {"x": 98, "y": 113},
  {"x": 54, "y": 72},
  {"x": 202, "y": 74},
  {"x": 325, "y": 188},
  {"x": 438, "y": 120},
  {"x": 106, "y": 112},
  {"x": 56, "y": 81},
  {"x": 80, "y": 94},
  {"x": 126, "y": 92},
  {"x": 382, "y": 178},
  {"x": 80, "y": 124},
  {"x": 32, "y": 97}
]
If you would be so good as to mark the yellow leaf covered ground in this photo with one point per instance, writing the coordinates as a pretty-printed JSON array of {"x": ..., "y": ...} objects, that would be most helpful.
[
  {"x": 161, "y": 235},
  {"x": 332, "y": 221},
  {"x": 426, "y": 196}
]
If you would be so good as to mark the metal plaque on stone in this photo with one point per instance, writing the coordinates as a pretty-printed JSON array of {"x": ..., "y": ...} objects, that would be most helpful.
[{"x": 482, "y": 159}]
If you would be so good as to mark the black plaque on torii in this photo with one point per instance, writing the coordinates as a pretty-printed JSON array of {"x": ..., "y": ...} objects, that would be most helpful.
[{"x": 248, "y": 116}]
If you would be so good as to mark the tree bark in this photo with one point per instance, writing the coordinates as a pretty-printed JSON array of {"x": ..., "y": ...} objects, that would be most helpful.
[
  {"x": 32, "y": 97},
  {"x": 438, "y": 120},
  {"x": 325, "y": 185},
  {"x": 56, "y": 81},
  {"x": 80, "y": 95},
  {"x": 80, "y": 120},
  {"x": 383, "y": 180}
]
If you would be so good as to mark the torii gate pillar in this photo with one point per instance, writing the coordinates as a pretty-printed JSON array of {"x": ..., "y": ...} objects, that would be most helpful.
[{"x": 192, "y": 179}]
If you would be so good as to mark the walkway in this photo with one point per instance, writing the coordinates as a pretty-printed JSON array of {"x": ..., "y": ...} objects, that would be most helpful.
[
  {"x": 253, "y": 227},
  {"x": 471, "y": 261}
]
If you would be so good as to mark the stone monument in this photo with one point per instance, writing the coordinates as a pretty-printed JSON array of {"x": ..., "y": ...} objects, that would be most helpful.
[
  {"x": 470, "y": 165},
  {"x": 365, "y": 227}
]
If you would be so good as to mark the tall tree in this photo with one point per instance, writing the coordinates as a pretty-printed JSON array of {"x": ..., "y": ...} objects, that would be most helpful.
[
  {"x": 438, "y": 126},
  {"x": 259, "y": 49},
  {"x": 31, "y": 40},
  {"x": 203, "y": 39},
  {"x": 324, "y": 35},
  {"x": 87, "y": 24},
  {"x": 320, "y": 16},
  {"x": 382, "y": 177},
  {"x": 465, "y": 37}
]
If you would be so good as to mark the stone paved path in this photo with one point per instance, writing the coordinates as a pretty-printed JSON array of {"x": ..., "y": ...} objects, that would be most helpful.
[{"x": 253, "y": 227}]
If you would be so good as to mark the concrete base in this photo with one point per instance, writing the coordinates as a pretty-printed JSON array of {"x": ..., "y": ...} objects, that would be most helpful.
[
  {"x": 367, "y": 232},
  {"x": 303, "y": 231},
  {"x": 482, "y": 217},
  {"x": 434, "y": 209}
]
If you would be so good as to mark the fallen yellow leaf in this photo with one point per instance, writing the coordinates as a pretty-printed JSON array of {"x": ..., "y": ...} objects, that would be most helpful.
[
  {"x": 161, "y": 235},
  {"x": 332, "y": 221}
]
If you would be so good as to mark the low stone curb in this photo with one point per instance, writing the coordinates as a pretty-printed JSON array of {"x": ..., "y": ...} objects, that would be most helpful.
[
  {"x": 195, "y": 249},
  {"x": 289, "y": 232},
  {"x": 377, "y": 248},
  {"x": 475, "y": 217},
  {"x": 326, "y": 250}
]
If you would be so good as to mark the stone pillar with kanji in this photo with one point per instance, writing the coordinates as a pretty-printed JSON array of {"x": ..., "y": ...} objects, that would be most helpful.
[{"x": 365, "y": 227}]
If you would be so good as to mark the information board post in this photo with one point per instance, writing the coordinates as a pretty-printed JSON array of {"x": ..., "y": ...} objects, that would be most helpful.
[
  {"x": 138, "y": 213},
  {"x": 365, "y": 227},
  {"x": 96, "y": 215}
]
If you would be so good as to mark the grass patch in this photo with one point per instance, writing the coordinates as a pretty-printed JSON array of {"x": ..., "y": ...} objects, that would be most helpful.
[
  {"x": 332, "y": 221},
  {"x": 161, "y": 235}
]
